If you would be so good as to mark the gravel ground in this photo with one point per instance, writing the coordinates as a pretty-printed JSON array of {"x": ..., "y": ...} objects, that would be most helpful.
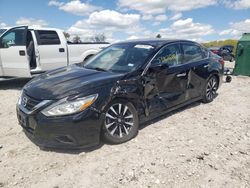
[{"x": 202, "y": 145}]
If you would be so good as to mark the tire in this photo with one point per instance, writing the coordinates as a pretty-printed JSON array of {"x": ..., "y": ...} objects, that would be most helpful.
[
  {"x": 210, "y": 89},
  {"x": 88, "y": 57},
  {"x": 232, "y": 59},
  {"x": 121, "y": 122},
  {"x": 228, "y": 79}
]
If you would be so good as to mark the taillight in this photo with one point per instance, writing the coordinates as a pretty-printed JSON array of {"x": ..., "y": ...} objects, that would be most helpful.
[
  {"x": 215, "y": 51},
  {"x": 221, "y": 61}
]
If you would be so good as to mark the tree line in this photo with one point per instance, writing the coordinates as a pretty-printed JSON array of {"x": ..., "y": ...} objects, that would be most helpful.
[
  {"x": 95, "y": 38},
  {"x": 102, "y": 38}
]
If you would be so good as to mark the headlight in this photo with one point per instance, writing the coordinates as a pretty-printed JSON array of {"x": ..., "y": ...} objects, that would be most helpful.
[
  {"x": 65, "y": 107},
  {"x": 20, "y": 98}
]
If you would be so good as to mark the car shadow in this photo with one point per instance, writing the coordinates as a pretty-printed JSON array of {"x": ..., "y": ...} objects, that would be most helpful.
[
  {"x": 73, "y": 151},
  {"x": 16, "y": 83}
]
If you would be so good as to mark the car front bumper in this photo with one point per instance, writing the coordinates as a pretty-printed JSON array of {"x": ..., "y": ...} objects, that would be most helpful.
[{"x": 64, "y": 132}]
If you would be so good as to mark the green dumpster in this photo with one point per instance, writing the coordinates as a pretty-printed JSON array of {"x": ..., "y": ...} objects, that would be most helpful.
[{"x": 242, "y": 57}]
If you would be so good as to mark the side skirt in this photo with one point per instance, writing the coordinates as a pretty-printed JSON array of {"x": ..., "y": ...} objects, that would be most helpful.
[{"x": 144, "y": 119}]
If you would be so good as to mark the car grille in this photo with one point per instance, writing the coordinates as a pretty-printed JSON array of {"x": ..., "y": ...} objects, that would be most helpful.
[{"x": 28, "y": 102}]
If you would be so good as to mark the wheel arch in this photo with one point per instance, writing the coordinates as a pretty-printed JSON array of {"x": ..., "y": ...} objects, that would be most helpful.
[
  {"x": 135, "y": 102},
  {"x": 216, "y": 74}
]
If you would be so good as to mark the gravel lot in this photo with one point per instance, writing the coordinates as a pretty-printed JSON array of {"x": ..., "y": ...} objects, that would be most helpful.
[{"x": 201, "y": 145}]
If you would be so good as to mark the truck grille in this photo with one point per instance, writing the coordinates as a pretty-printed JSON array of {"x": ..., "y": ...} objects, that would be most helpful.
[{"x": 28, "y": 102}]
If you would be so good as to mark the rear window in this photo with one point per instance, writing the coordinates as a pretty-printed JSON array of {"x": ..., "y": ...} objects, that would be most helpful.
[
  {"x": 192, "y": 53},
  {"x": 47, "y": 37}
]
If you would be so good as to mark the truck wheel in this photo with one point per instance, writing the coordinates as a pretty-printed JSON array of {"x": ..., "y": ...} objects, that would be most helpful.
[{"x": 88, "y": 57}]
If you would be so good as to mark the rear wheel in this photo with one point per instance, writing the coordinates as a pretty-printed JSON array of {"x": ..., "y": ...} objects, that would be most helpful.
[
  {"x": 120, "y": 123},
  {"x": 210, "y": 89},
  {"x": 88, "y": 57},
  {"x": 232, "y": 59}
]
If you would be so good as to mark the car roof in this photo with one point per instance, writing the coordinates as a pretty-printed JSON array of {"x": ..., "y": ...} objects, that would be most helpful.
[{"x": 153, "y": 42}]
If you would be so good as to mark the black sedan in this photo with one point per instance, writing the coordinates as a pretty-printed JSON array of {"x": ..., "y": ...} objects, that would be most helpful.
[{"x": 114, "y": 92}]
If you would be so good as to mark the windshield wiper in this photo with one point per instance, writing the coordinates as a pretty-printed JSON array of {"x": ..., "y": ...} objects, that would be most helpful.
[
  {"x": 100, "y": 69},
  {"x": 97, "y": 68}
]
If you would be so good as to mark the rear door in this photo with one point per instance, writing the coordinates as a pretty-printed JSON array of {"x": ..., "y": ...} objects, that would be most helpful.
[
  {"x": 52, "y": 51},
  {"x": 196, "y": 59},
  {"x": 13, "y": 53}
]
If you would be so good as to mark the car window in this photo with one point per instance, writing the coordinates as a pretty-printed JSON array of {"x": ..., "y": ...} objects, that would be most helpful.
[
  {"x": 45, "y": 37},
  {"x": 191, "y": 52},
  {"x": 15, "y": 37},
  {"x": 170, "y": 55},
  {"x": 120, "y": 57},
  {"x": 205, "y": 52}
]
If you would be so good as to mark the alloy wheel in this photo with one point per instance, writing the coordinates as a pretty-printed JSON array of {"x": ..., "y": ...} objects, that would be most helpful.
[
  {"x": 119, "y": 120},
  {"x": 212, "y": 87}
]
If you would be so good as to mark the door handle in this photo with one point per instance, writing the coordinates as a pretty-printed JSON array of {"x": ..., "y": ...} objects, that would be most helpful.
[
  {"x": 181, "y": 75},
  {"x": 61, "y": 50},
  {"x": 206, "y": 66},
  {"x": 21, "y": 52}
]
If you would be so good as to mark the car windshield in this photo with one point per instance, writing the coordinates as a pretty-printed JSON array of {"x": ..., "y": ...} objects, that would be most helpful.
[
  {"x": 2, "y": 31},
  {"x": 120, "y": 58}
]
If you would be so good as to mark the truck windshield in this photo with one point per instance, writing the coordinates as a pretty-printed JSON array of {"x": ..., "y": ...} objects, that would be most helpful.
[
  {"x": 120, "y": 58},
  {"x": 2, "y": 31}
]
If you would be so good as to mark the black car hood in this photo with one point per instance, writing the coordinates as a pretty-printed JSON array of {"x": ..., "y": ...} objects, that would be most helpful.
[{"x": 71, "y": 80}]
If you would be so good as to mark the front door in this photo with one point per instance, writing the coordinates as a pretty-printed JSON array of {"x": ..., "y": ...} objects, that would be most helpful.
[
  {"x": 167, "y": 79},
  {"x": 13, "y": 53}
]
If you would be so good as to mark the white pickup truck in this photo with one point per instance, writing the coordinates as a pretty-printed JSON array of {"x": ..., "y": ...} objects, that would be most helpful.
[{"x": 26, "y": 51}]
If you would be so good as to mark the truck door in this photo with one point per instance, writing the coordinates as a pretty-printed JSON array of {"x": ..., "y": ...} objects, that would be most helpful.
[
  {"x": 13, "y": 53},
  {"x": 52, "y": 51}
]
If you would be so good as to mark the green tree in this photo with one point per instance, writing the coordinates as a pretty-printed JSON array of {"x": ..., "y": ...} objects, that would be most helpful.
[
  {"x": 67, "y": 35},
  {"x": 158, "y": 36},
  {"x": 76, "y": 39},
  {"x": 98, "y": 38}
]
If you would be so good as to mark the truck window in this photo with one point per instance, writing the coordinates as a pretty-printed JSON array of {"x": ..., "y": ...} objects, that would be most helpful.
[
  {"x": 45, "y": 37},
  {"x": 15, "y": 37},
  {"x": 2, "y": 31}
]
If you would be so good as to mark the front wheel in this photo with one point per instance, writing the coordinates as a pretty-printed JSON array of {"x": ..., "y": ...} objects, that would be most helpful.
[
  {"x": 121, "y": 122},
  {"x": 210, "y": 89}
]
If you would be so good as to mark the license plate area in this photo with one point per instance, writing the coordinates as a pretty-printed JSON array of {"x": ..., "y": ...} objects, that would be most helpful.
[{"x": 24, "y": 121}]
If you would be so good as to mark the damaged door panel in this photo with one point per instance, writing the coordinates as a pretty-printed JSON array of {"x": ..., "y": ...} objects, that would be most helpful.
[
  {"x": 166, "y": 79},
  {"x": 130, "y": 89}
]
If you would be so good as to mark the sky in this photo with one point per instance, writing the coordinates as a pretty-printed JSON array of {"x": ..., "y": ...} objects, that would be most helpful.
[{"x": 198, "y": 20}]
